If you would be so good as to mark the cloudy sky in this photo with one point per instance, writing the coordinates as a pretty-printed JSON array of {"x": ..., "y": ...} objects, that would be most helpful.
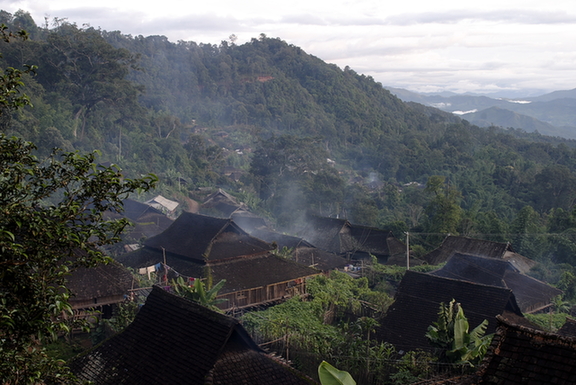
[{"x": 428, "y": 46}]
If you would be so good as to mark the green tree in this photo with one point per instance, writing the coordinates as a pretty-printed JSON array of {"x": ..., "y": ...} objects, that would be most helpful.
[
  {"x": 527, "y": 229},
  {"x": 91, "y": 73},
  {"x": 443, "y": 211},
  {"x": 11, "y": 95},
  {"x": 198, "y": 292},
  {"x": 285, "y": 159},
  {"x": 52, "y": 222},
  {"x": 554, "y": 187}
]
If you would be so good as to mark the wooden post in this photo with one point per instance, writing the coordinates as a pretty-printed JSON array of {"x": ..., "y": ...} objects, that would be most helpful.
[{"x": 407, "y": 251}]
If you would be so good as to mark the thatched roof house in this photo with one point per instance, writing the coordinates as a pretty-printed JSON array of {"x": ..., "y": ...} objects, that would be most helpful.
[
  {"x": 520, "y": 355},
  {"x": 98, "y": 288},
  {"x": 531, "y": 294},
  {"x": 419, "y": 297},
  {"x": 479, "y": 247},
  {"x": 176, "y": 341},
  {"x": 146, "y": 220},
  {"x": 203, "y": 238},
  {"x": 248, "y": 221},
  {"x": 223, "y": 202},
  {"x": 303, "y": 251},
  {"x": 281, "y": 240},
  {"x": 199, "y": 246},
  {"x": 341, "y": 237}
]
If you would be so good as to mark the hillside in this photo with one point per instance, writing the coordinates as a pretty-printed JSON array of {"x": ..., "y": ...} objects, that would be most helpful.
[
  {"x": 551, "y": 114},
  {"x": 496, "y": 116},
  {"x": 283, "y": 131}
]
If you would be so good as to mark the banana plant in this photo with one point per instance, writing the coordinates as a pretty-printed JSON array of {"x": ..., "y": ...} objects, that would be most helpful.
[
  {"x": 451, "y": 334},
  {"x": 198, "y": 292},
  {"x": 329, "y": 375}
]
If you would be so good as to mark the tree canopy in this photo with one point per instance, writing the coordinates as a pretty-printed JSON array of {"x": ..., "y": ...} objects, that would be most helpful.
[
  {"x": 52, "y": 222},
  {"x": 268, "y": 121}
]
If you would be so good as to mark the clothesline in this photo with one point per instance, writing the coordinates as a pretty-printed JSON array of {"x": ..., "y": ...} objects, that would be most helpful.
[{"x": 159, "y": 267}]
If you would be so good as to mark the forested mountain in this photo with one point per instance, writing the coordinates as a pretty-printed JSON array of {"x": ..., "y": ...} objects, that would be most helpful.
[
  {"x": 302, "y": 134},
  {"x": 550, "y": 114}
]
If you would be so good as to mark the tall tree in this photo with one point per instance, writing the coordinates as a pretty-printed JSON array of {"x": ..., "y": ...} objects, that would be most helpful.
[
  {"x": 527, "y": 230},
  {"x": 443, "y": 211},
  {"x": 11, "y": 95},
  {"x": 90, "y": 72},
  {"x": 52, "y": 222},
  {"x": 554, "y": 186}
]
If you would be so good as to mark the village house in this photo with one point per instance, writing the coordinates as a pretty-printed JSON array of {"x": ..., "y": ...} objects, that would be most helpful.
[
  {"x": 213, "y": 249},
  {"x": 531, "y": 294},
  {"x": 223, "y": 203},
  {"x": 96, "y": 290},
  {"x": 481, "y": 248},
  {"x": 301, "y": 250},
  {"x": 353, "y": 242},
  {"x": 146, "y": 221},
  {"x": 176, "y": 341},
  {"x": 163, "y": 204},
  {"x": 419, "y": 297},
  {"x": 524, "y": 355},
  {"x": 521, "y": 355}
]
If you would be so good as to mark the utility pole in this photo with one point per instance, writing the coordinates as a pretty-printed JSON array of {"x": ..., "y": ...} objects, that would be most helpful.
[{"x": 407, "y": 251}]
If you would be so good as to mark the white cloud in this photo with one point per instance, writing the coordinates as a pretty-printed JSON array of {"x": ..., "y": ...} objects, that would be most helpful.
[{"x": 442, "y": 45}]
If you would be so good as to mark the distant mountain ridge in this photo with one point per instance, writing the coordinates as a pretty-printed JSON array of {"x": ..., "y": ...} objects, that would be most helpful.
[{"x": 551, "y": 114}]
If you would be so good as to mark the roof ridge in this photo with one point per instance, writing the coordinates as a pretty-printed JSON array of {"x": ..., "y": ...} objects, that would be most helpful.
[{"x": 549, "y": 335}]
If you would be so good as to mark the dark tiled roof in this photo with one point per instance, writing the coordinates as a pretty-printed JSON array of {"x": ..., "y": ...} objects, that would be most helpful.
[
  {"x": 146, "y": 221},
  {"x": 464, "y": 245},
  {"x": 248, "y": 221},
  {"x": 324, "y": 233},
  {"x": 240, "y": 273},
  {"x": 376, "y": 241},
  {"x": 175, "y": 341},
  {"x": 254, "y": 272},
  {"x": 568, "y": 329},
  {"x": 108, "y": 280},
  {"x": 485, "y": 271},
  {"x": 134, "y": 210},
  {"x": 320, "y": 259},
  {"x": 281, "y": 240},
  {"x": 148, "y": 225},
  {"x": 520, "y": 355},
  {"x": 418, "y": 299},
  {"x": 223, "y": 202},
  {"x": 202, "y": 237},
  {"x": 530, "y": 294},
  {"x": 340, "y": 236},
  {"x": 146, "y": 256}
]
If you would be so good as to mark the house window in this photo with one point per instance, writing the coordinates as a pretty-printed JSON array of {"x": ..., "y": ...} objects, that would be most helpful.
[{"x": 240, "y": 295}]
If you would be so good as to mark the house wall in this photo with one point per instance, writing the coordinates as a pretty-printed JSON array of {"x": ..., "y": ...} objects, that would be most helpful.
[
  {"x": 263, "y": 294},
  {"x": 95, "y": 302}
]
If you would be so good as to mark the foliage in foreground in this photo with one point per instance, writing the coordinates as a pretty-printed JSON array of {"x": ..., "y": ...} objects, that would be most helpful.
[
  {"x": 451, "y": 336},
  {"x": 52, "y": 223},
  {"x": 334, "y": 325},
  {"x": 329, "y": 375}
]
